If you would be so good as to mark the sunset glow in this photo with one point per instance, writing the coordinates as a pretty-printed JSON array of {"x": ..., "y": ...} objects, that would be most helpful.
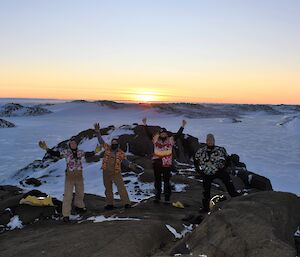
[
  {"x": 146, "y": 97},
  {"x": 233, "y": 52}
]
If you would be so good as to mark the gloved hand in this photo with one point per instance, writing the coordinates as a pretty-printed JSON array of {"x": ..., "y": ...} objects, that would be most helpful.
[
  {"x": 98, "y": 149},
  {"x": 97, "y": 127},
  {"x": 43, "y": 145}
]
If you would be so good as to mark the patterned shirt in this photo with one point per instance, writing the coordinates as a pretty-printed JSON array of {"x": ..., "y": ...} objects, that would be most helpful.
[{"x": 73, "y": 164}]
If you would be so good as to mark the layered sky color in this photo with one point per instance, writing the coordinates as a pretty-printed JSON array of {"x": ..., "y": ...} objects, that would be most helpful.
[{"x": 153, "y": 50}]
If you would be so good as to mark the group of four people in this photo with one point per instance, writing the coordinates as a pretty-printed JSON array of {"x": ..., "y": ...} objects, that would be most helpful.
[{"x": 210, "y": 161}]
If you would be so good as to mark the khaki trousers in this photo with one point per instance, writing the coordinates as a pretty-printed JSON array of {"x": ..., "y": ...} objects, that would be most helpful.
[
  {"x": 73, "y": 179},
  {"x": 108, "y": 180}
]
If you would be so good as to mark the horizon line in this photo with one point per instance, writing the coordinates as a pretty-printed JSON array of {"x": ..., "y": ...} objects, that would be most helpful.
[{"x": 141, "y": 102}]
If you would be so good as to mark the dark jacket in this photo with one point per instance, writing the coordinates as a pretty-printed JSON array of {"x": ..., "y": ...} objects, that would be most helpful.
[{"x": 210, "y": 160}]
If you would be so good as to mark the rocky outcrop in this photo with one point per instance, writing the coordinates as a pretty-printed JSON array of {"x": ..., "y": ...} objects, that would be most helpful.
[
  {"x": 258, "y": 225},
  {"x": 6, "y": 124},
  {"x": 13, "y": 109},
  {"x": 10, "y": 207},
  {"x": 141, "y": 148}
]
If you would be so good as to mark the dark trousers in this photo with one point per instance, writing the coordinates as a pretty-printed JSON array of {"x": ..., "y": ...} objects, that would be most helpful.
[
  {"x": 208, "y": 179},
  {"x": 159, "y": 173}
]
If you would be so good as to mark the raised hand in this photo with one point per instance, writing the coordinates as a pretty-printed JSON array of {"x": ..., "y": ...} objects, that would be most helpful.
[
  {"x": 97, "y": 127},
  {"x": 183, "y": 123},
  {"x": 43, "y": 145},
  {"x": 145, "y": 121},
  {"x": 98, "y": 149}
]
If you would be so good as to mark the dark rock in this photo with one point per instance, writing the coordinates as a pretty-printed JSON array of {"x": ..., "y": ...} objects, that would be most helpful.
[
  {"x": 193, "y": 219},
  {"x": 260, "y": 182},
  {"x": 234, "y": 120},
  {"x": 13, "y": 109},
  {"x": 260, "y": 224},
  {"x": 6, "y": 124},
  {"x": 5, "y": 217},
  {"x": 33, "y": 181},
  {"x": 297, "y": 244},
  {"x": 29, "y": 214},
  {"x": 36, "y": 193},
  {"x": 147, "y": 176},
  {"x": 180, "y": 249},
  {"x": 10, "y": 197}
]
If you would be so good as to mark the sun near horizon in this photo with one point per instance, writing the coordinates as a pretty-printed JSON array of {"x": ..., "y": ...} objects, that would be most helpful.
[{"x": 158, "y": 51}]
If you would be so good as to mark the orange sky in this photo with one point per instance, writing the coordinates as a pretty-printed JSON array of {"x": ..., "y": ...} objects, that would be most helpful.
[
  {"x": 188, "y": 86},
  {"x": 190, "y": 51}
]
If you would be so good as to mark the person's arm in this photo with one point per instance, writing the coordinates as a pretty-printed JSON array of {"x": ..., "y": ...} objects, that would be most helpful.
[
  {"x": 44, "y": 146},
  {"x": 148, "y": 133},
  {"x": 179, "y": 132},
  {"x": 98, "y": 133},
  {"x": 92, "y": 153},
  {"x": 54, "y": 153},
  {"x": 223, "y": 158},
  {"x": 89, "y": 154},
  {"x": 196, "y": 164}
]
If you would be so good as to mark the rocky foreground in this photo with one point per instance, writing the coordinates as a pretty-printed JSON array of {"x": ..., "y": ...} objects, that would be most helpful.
[{"x": 260, "y": 223}]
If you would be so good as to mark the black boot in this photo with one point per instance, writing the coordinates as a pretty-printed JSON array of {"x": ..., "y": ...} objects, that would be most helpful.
[
  {"x": 157, "y": 199},
  {"x": 66, "y": 219},
  {"x": 167, "y": 200},
  {"x": 205, "y": 206},
  {"x": 109, "y": 207},
  {"x": 80, "y": 210}
]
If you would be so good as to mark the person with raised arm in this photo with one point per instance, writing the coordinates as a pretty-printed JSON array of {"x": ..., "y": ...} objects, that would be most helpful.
[
  {"x": 162, "y": 159},
  {"x": 73, "y": 175},
  {"x": 113, "y": 160}
]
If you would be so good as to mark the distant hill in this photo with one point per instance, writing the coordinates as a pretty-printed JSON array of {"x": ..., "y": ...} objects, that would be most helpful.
[{"x": 15, "y": 109}]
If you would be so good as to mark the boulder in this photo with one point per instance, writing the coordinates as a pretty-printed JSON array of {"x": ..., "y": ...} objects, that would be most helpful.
[
  {"x": 10, "y": 206},
  {"x": 5, "y": 217},
  {"x": 32, "y": 181},
  {"x": 258, "y": 225},
  {"x": 29, "y": 214}
]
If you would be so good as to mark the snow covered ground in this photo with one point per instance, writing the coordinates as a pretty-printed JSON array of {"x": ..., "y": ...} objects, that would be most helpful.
[{"x": 269, "y": 144}]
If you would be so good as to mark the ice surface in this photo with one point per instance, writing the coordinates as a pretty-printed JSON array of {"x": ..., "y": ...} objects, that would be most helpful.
[
  {"x": 101, "y": 218},
  {"x": 266, "y": 147},
  {"x": 183, "y": 233},
  {"x": 14, "y": 223}
]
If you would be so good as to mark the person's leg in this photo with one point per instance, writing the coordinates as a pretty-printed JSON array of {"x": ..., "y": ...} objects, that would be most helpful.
[
  {"x": 157, "y": 167},
  {"x": 225, "y": 177},
  {"x": 79, "y": 190},
  {"x": 207, "y": 180},
  {"x": 167, "y": 185},
  {"x": 109, "y": 196},
  {"x": 118, "y": 179},
  {"x": 68, "y": 195}
]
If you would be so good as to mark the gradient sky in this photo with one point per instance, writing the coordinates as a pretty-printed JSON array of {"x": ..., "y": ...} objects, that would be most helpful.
[{"x": 241, "y": 51}]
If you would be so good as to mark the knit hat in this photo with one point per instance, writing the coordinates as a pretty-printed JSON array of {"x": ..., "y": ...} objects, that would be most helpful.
[
  {"x": 163, "y": 130},
  {"x": 210, "y": 137}
]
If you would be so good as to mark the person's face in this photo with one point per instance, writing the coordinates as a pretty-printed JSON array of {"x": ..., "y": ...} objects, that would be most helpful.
[
  {"x": 210, "y": 141},
  {"x": 163, "y": 135},
  {"x": 73, "y": 145},
  {"x": 114, "y": 144}
]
